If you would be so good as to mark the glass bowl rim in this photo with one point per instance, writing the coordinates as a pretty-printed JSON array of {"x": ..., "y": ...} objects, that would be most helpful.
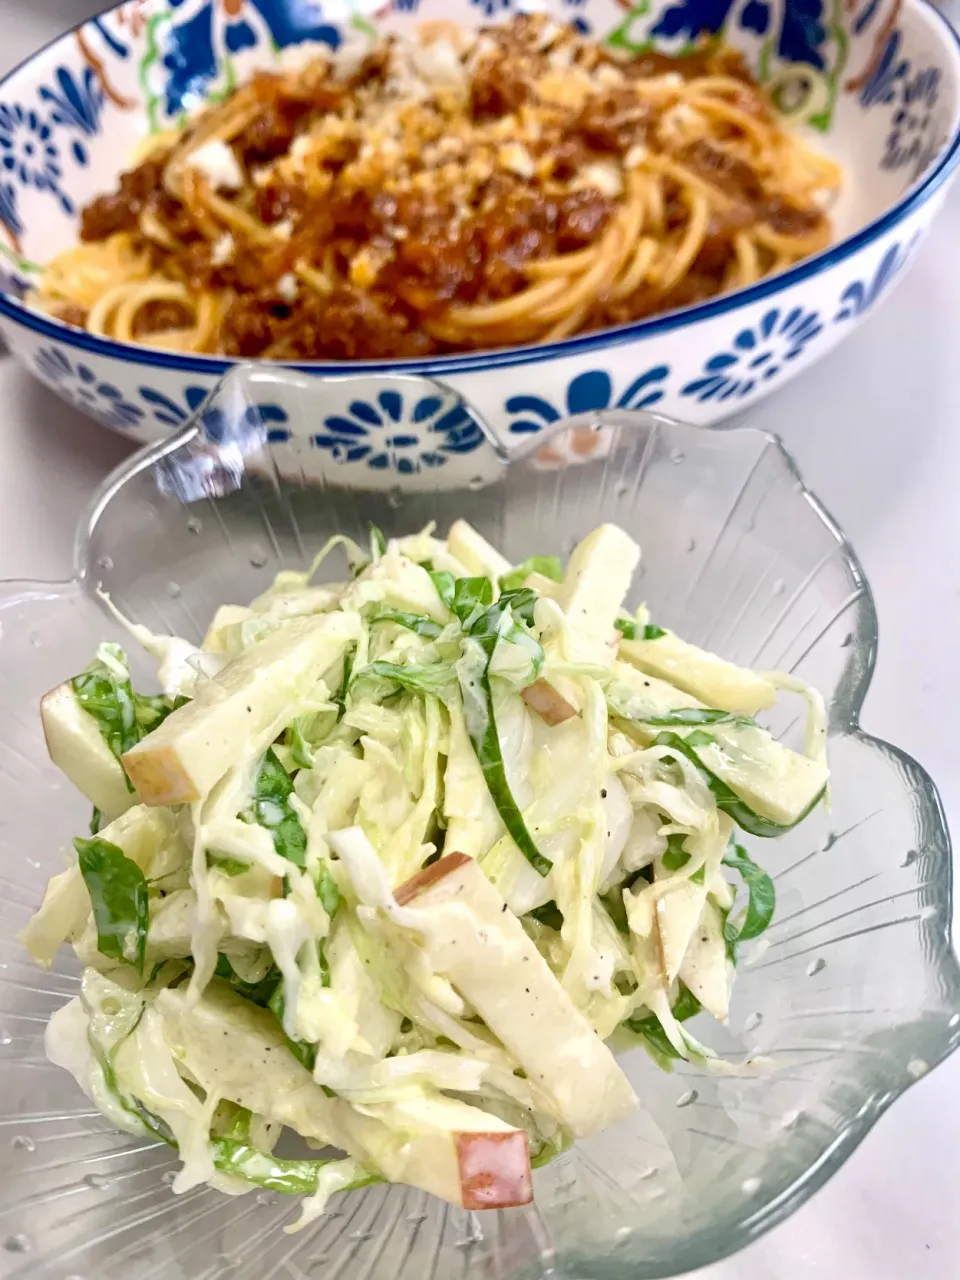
[{"x": 848, "y": 701}]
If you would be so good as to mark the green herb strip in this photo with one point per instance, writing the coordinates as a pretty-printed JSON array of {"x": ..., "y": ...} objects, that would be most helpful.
[
  {"x": 306, "y": 1054},
  {"x": 257, "y": 993},
  {"x": 548, "y": 566},
  {"x": 655, "y": 1038},
  {"x": 676, "y": 857},
  {"x": 233, "y": 1154},
  {"x": 292, "y": 1177},
  {"x": 416, "y": 622},
  {"x": 229, "y": 866},
  {"x": 549, "y": 914},
  {"x": 482, "y": 729},
  {"x": 328, "y": 891},
  {"x": 694, "y": 716},
  {"x": 728, "y": 800},
  {"x": 119, "y": 895},
  {"x": 340, "y": 697},
  {"x": 444, "y": 583},
  {"x": 300, "y": 750},
  {"x": 484, "y": 624},
  {"x": 123, "y": 717},
  {"x": 761, "y": 897},
  {"x": 271, "y": 804},
  {"x": 427, "y": 679},
  {"x": 378, "y": 543},
  {"x": 631, "y": 631}
]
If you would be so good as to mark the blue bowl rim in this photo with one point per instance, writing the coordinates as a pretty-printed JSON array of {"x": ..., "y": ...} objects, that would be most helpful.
[{"x": 914, "y": 198}]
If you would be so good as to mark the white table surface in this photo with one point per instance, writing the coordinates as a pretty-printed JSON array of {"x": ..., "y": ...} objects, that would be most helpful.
[{"x": 875, "y": 428}]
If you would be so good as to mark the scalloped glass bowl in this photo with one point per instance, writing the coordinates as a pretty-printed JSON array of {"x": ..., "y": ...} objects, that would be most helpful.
[{"x": 854, "y": 993}]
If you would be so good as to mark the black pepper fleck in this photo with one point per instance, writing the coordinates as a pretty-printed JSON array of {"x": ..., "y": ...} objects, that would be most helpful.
[{"x": 603, "y": 793}]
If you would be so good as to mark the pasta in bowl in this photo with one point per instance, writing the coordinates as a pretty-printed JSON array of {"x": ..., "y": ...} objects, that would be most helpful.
[
  {"x": 449, "y": 191},
  {"x": 641, "y": 208}
]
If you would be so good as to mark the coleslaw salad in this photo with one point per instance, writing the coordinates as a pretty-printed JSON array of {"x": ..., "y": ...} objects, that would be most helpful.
[{"x": 405, "y": 862}]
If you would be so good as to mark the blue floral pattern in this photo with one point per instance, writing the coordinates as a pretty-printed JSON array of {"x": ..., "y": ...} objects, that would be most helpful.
[
  {"x": 861, "y": 295},
  {"x": 216, "y": 425},
  {"x": 28, "y": 153},
  {"x": 913, "y": 137},
  {"x": 384, "y": 435},
  {"x": 801, "y": 37},
  {"x": 76, "y": 103},
  {"x": 78, "y": 384},
  {"x": 883, "y": 82},
  {"x": 9, "y": 215},
  {"x": 491, "y": 7},
  {"x": 912, "y": 140},
  {"x": 191, "y": 59},
  {"x": 587, "y": 392},
  {"x": 756, "y": 355}
]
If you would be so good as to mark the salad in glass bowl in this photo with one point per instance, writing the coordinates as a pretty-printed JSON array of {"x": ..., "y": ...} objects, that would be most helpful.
[
  {"x": 395, "y": 862},
  {"x": 343, "y": 821}
]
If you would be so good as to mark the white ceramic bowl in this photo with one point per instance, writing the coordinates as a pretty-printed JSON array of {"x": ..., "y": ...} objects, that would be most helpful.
[{"x": 877, "y": 81}]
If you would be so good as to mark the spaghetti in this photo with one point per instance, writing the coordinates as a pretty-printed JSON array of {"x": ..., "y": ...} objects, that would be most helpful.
[{"x": 457, "y": 191}]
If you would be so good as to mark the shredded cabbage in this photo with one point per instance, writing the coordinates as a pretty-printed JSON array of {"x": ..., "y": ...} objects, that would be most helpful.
[{"x": 282, "y": 981}]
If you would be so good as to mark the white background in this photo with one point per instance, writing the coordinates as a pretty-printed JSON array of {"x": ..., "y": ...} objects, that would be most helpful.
[{"x": 875, "y": 429}]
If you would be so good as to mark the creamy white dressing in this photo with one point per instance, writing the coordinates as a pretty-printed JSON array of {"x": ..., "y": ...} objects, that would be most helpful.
[{"x": 458, "y": 990}]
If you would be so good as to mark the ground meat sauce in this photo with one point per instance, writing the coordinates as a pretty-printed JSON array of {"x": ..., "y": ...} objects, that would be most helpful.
[
  {"x": 121, "y": 210},
  {"x": 156, "y": 316},
  {"x": 407, "y": 215}
]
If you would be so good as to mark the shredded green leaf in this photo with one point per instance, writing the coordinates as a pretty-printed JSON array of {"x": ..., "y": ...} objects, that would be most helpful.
[
  {"x": 378, "y": 543},
  {"x": 444, "y": 581},
  {"x": 427, "y": 679},
  {"x": 761, "y": 897},
  {"x": 257, "y": 993},
  {"x": 300, "y": 750},
  {"x": 549, "y": 914},
  {"x": 328, "y": 891},
  {"x": 470, "y": 597},
  {"x": 727, "y": 799},
  {"x": 676, "y": 857},
  {"x": 123, "y": 717},
  {"x": 272, "y": 809},
  {"x": 694, "y": 715},
  {"x": 630, "y": 630},
  {"x": 306, "y": 1054},
  {"x": 119, "y": 895},
  {"x": 292, "y": 1177},
  {"x": 473, "y": 673},
  {"x": 549, "y": 566},
  {"x": 416, "y": 622},
  {"x": 229, "y": 866},
  {"x": 550, "y": 1150},
  {"x": 340, "y": 697},
  {"x": 653, "y": 1035}
]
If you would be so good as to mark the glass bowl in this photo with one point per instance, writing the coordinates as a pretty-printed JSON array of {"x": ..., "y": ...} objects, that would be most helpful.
[{"x": 854, "y": 993}]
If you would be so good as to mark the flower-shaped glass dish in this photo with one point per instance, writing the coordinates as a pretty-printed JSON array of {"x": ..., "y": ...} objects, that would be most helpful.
[{"x": 853, "y": 993}]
